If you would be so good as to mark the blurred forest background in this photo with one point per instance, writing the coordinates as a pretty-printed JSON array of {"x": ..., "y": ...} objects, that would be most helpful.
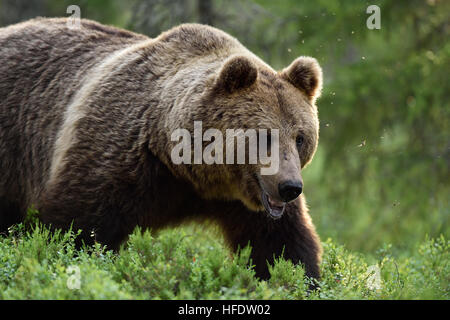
[{"x": 381, "y": 173}]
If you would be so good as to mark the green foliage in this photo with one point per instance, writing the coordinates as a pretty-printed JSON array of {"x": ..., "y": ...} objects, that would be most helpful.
[{"x": 184, "y": 263}]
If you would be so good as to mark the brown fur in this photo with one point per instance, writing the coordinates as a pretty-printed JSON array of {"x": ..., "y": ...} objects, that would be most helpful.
[{"x": 86, "y": 118}]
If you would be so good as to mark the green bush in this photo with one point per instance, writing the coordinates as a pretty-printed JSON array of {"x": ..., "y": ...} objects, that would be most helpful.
[{"x": 183, "y": 263}]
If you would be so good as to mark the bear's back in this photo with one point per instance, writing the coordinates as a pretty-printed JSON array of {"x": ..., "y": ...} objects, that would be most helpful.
[
  {"x": 46, "y": 51},
  {"x": 46, "y": 66},
  {"x": 42, "y": 64}
]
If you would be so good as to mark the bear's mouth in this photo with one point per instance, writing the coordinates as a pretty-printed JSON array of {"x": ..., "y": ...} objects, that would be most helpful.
[{"x": 274, "y": 209}]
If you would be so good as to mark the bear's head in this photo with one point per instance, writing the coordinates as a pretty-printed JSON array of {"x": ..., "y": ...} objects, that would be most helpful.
[{"x": 244, "y": 93}]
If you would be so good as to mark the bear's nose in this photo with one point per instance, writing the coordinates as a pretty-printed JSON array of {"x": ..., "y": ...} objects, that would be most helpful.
[{"x": 289, "y": 190}]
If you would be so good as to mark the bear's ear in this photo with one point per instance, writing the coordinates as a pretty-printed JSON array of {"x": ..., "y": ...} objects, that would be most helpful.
[
  {"x": 305, "y": 74},
  {"x": 237, "y": 73}
]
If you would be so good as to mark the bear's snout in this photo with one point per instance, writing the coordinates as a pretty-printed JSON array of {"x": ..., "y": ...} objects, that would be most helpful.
[{"x": 290, "y": 190}]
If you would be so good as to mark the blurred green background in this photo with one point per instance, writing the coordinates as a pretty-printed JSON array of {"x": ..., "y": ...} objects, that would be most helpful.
[{"x": 381, "y": 173}]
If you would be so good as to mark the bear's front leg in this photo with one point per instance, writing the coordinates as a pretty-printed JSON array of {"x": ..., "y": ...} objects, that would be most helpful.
[
  {"x": 90, "y": 206},
  {"x": 293, "y": 235}
]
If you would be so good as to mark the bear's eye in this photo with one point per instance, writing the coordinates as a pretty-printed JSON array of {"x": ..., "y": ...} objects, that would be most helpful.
[{"x": 299, "y": 142}]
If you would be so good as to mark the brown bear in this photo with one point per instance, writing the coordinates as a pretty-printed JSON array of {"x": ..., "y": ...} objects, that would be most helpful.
[{"x": 86, "y": 122}]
